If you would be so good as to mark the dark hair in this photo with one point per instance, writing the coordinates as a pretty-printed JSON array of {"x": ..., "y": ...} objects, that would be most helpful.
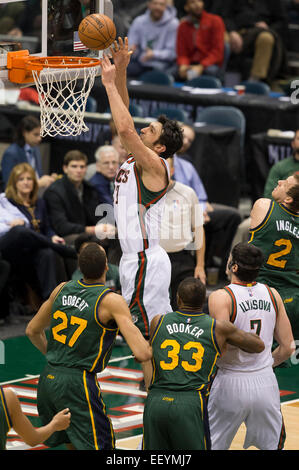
[
  {"x": 192, "y": 292},
  {"x": 89, "y": 238},
  {"x": 171, "y": 136},
  {"x": 74, "y": 155},
  {"x": 293, "y": 192},
  {"x": 27, "y": 124},
  {"x": 249, "y": 258},
  {"x": 92, "y": 261}
]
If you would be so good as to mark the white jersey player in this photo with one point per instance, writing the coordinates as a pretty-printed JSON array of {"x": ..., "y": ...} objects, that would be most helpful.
[
  {"x": 245, "y": 389},
  {"x": 140, "y": 188}
]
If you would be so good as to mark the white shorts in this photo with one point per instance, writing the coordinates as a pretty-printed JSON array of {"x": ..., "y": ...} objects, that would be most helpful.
[
  {"x": 251, "y": 398},
  {"x": 145, "y": 280}
]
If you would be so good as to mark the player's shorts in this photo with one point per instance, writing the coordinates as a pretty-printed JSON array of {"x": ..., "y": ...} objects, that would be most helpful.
[
  {"x": 175, "y": 421},
  {"x": 251, "y": 398},
  {"x": 145, "y": 279},
  {"x": 78, "y": 390}
]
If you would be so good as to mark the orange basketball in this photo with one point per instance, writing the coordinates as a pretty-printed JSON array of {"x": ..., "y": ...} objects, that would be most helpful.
[{"x": 97, "y": 31}]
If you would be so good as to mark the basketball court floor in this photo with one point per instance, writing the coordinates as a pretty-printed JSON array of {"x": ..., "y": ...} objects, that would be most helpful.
[{"x": 21, "y": 364}]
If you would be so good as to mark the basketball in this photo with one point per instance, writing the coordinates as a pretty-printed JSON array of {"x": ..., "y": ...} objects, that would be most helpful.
[{"x": 97, "y": 31}]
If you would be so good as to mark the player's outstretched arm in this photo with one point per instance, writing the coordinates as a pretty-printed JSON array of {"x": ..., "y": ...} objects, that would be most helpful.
[
  {"x": 147, "y": 366},
  {"x": 121, "y": 58},
  {"x": 23, "y": 427},
  {"x": 113, "y": 306},
  {"x": 124, "y": 123},
  {"x": 229, "y": 333}
]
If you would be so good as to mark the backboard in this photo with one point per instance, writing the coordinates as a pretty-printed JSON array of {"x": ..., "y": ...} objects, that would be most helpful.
[{"x": 45, "y": 28}]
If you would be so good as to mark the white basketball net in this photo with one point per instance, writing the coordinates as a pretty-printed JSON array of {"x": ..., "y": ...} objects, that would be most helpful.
[{"x": 62, "y": 104}]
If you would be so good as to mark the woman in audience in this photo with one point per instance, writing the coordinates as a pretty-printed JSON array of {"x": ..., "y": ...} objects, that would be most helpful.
[
  {"x": 27, "y": 240},
  {"x": 25, "y": 149}
]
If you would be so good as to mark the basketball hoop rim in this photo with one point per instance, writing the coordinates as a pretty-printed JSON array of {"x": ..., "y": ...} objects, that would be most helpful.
[
  {"x": 61, "y": 62},
  {"x": 21, "y": 65}
]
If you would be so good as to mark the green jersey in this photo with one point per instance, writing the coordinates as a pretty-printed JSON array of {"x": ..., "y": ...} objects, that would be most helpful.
[
  {"x": 77, "y": 337},
  {"x": 5, "y": 421},
  {"x": 184, "y": 351},
  {"x": 278, "y": 238}
]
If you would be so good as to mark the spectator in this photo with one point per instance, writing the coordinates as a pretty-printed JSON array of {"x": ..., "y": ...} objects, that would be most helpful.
[
  {"x": 152, "y": 37},
  {"x": 107, "y": 163},
  {"x": 257, "y": 29},
  {"x": 27, "y": 240},
  {"x": 200, "y": 50},
  {"x": 112, "y": 275},
  {"x": 25, "y": 149},
  {"x": 10, "y": 14},
  {"x": 221, "y": 221},
  {"x": 123, "y": 154},
  {"x": 72, "y": 202},
  {"x": 182, "y": 235},
  {"x": 281, "y": 170}
]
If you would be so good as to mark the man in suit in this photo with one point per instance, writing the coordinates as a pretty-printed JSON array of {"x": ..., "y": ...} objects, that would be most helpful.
[
  {"x": 25, "y": 150},
  {"x": 74, "y": 204}
]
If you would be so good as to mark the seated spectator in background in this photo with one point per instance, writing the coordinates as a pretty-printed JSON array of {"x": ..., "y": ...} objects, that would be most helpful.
[
  {"x": 10, "y": 15},
  {"x": 257, "y": 29},
  {"x": 122, "y": 153},
  {"x": 25, "y": 149},
  {"x": 72, "y": 203},
  {"x": 220, "y": 221},
  {"x": 152, "y": 37},
  {"x": 200, "y": 42},
  {"x": 27, "y": 241},
  {"x": 283, "y": 169},
  {"x": 112, "y": 276},
  {"x": 107, "y": 164}
]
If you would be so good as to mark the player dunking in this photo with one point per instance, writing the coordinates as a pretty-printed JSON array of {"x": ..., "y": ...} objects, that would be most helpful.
[{"x": 140, "y": 187}]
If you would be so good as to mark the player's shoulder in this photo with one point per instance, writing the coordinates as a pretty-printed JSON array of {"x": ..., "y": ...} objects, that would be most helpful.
[
  {"x": 219, "y": 295},
  {"x": 57, "y": 289},
  {"x": 259, "y": 211},
  {"x": 262, "y": 203}
]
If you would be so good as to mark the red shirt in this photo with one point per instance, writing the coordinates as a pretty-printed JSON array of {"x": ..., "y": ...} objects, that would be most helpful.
[{"x": 202, "y": 43}]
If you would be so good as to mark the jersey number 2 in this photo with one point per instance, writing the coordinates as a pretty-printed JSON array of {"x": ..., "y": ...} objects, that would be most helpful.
[{"x": 273, "y": 261}]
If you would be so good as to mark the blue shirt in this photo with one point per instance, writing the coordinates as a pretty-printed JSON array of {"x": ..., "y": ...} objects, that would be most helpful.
[
  {"x": 185, "y": 172},
  {"x": 104, "y": 187}
]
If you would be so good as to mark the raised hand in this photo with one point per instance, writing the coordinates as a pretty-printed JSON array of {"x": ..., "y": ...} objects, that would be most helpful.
[
  {"x": 120, "y": 53},
  {"x": 108, "y": 71}
]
